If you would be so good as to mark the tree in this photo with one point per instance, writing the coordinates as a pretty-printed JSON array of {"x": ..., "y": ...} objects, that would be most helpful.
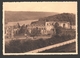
[
  {"x": 56, "y": 25},
  {"x": 57, "y": 28},
  {"x": 22, "y": 29},
  {"x": 35, "y": 32},
  {"x": 27, "y": 32},
  {"x": 18, "y": 25}
]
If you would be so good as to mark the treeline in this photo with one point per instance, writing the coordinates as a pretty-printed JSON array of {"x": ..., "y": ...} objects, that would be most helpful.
[{"x": 69, "y": 17}]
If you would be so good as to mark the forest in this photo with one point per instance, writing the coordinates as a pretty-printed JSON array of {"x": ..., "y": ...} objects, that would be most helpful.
[{"x": 69, "y": 17}]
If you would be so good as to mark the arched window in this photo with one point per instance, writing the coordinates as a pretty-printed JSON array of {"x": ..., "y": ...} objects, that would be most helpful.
[
  {"x": 52, "y": 23},
  {"x": 56, "y": 25},
  {"x": 63, "y": 25}
]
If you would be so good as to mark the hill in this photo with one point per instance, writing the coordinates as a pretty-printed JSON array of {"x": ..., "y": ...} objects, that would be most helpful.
[
  {"x": 25, "y": 15},
  {"x": 69, "y": 17}
]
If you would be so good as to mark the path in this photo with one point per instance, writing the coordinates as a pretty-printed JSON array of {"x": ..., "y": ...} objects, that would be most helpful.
[{"x": 52, "y": 46}]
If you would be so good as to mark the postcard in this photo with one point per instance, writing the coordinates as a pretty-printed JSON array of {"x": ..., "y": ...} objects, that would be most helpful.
[{"x": 40, "y": 28}]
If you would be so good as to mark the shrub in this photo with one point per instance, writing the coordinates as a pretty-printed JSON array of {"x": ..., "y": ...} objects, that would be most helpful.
[{"x": 24, "y": 46}]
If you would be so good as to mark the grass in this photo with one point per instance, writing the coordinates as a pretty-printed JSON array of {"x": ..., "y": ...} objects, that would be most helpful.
[
  {"x": 18, "y": 46},
  {"x": 70, "y": 48}
]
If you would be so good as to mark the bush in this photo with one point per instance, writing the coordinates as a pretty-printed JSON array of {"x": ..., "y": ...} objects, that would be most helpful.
[{"x": 16, "y": 46}]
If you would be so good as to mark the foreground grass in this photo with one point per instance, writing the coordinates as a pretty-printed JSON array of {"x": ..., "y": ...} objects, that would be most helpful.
[
  {"x": 70, "y": 48},
  {"x": 18, "y": 46}
]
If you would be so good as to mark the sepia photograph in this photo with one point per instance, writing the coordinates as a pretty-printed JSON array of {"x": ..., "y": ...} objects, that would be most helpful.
[{"x": 40, "y": 28}]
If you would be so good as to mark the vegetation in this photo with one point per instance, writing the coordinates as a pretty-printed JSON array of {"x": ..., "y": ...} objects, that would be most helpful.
[
  {"x": 16, "y": 46},
  {"x": 69, "y": 17},
  {"x": 35, "y": 32},
  {"x": 13, "y": 16},
  {"x": 70, "y": 48}
]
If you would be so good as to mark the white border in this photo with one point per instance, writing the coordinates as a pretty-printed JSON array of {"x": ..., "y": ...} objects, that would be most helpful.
[{"x": 41, "y": 53}]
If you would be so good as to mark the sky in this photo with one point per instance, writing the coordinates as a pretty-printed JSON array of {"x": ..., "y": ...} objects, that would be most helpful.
[{"x": 60, "y": 7}]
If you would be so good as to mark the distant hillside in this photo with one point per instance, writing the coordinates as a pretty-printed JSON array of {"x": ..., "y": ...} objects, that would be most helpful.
[
  {"x": 69, "y": 17},
  {"x": 24, "y": 15}
]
